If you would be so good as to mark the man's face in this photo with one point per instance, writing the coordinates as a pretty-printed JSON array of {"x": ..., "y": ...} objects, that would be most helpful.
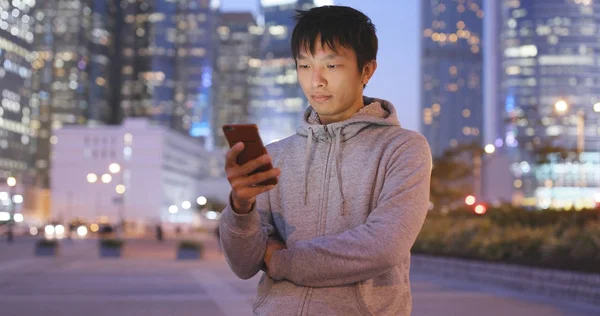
[{"x": 332, "y": 82}]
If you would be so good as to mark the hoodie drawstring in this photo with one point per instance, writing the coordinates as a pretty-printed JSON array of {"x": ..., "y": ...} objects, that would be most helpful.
[
  {"x": 338, "y": 166},
  {"x": 306, "y": 159},
  {"x": 337, "y": 154}
]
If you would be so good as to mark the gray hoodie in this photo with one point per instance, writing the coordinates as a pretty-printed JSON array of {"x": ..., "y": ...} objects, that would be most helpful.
[{"x": 351, "y": 199}]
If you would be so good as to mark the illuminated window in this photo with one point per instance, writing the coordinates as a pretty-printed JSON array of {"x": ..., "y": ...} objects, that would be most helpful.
[{"x": 453, "y": 70}]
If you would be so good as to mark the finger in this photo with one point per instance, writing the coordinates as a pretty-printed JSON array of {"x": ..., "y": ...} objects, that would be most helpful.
[
  {"x": 250, "y": 166},
  {"x": 232, "y": 154},
  {"x": 256, "y": 163},
  {"x": 258, "y": 178},
  {"x": 251, "y": 192}
]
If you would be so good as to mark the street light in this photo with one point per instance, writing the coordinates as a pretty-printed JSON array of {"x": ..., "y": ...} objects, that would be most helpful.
[
  {"x": 120, "y": 189},
  {"x": 18, "y": 217},
  {"x": 17, "y": 199},
  {"x": 470, "y": 200},
  {"x": 490, "y": 149},
  {"x": 202, "y": 200},
  {"x": 480, "y": 209},
  {"x": 106, "y": 178},
  {"x": 173, "y": 209},
  {"x": 186, "y": 205},
  {"x": 114, "y": 168},
  {"x": 561, "y": 106},
  {"x": 92, "y": 178},
  {"x": 597, "y": 107}
]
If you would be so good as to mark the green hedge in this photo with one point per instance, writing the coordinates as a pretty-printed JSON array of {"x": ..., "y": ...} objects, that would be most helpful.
[
  {"x": 561, "y": 240},
  {"x": 47, "y": 243},
  {"x": 112, "y": 243},
  {"x": 191, "y": 244}
]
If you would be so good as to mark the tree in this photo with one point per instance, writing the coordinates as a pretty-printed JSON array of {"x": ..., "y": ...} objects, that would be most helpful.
[{"x": 451, "y": 178}]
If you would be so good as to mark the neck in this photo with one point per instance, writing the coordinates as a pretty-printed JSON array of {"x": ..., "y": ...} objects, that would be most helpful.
[{"x": 348, "y": 113}]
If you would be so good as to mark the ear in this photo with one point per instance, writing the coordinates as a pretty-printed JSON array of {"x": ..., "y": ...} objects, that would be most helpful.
[{"x": 368, "y": 71}]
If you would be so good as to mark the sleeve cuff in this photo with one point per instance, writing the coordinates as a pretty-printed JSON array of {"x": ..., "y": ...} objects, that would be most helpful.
[
  {"x": 281, "y": 264},
  {"x": 241, "y": 224}
]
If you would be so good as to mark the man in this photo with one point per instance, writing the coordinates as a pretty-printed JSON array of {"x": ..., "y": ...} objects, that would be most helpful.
[{"x": 334, "y": 235}]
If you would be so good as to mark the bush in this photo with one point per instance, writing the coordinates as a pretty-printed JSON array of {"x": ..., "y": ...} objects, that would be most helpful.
[
  {"x": 111, "y": 243},
  {"x": 50, "y": 243},
  {"x": 191, "y": 245},
  {"x": 564, "y": 240}
]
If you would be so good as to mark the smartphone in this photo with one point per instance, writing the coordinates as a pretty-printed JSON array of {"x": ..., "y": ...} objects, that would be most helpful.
[{"x": 253, "y": 146}]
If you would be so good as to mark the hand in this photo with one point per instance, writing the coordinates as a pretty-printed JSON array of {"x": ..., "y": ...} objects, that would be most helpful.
[
  {"x": 244, "y": 188},
  {"x": 272, "y": 246}
]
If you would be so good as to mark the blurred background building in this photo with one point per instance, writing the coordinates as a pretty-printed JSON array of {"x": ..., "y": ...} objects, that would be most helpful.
[
  {"x": 277, "y": 99},
  {"x": 452, "y": 73},
  {"x": 71, "y": 70},
  {"x": 167, "y": 66},
  {"x": 236, "y": 61},
  {"x": 17, "y": 137},
  {"x": 138, "y": 172},
  {"x": 16, "y": 52},
  {"x": 550, "y": 96}
]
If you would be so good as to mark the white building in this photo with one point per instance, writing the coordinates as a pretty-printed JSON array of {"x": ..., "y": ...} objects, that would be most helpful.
[{"x": 162, "y": 174}]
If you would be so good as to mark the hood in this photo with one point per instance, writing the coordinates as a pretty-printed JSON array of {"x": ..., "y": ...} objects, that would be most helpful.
[{"x": 375, "y": 112}]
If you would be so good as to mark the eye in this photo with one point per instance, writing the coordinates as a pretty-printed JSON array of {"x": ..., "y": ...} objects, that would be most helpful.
[
  {"x": 332, "y": 66},
  {"x": 303, "y": 66}
]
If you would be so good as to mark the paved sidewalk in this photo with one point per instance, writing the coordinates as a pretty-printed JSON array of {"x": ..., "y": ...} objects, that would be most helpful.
[{"x": 149, "y": 281}]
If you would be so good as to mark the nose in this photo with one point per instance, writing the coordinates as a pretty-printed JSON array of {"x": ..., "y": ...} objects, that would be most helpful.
[{"x": 318, "y": 80}]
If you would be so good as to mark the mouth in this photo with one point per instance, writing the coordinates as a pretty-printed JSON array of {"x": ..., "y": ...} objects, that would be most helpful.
[{"x": 320, "y": 98}]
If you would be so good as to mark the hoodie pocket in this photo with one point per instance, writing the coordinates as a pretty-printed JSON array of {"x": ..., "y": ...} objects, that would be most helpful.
[
  {"x": 265, "y": 285},
  {"x": 277, "y": 297},
  {"x": 341, "y": 300}
]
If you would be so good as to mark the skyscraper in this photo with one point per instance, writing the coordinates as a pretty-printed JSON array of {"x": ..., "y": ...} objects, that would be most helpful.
[
  {"x": 236, "y": 61},
  {"x": 551, "y": 100},
  {"x": 168, "y": 53},
  {"x": 452, "y": 73},
  {"x": 277, "y": 99},
  {"x": 71, "y": 70},
  {"x": 16, "y": 43}
]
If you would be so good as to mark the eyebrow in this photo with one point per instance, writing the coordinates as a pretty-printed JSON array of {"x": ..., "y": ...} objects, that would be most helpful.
[{"x": 328, "y": 57}]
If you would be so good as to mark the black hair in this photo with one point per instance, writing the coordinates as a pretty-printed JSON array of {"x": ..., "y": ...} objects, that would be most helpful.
[{"x": 337, "y": 25}]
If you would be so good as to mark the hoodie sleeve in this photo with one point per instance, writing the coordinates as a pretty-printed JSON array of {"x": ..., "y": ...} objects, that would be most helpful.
[
  {"x": 376, "y": 246},
  {"x": 244, "y": 236}
]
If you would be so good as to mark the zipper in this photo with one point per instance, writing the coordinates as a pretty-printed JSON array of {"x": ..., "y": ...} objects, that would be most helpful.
[
  {"x": 323, "y": 198},
  {"x": 324, "y": 190}
]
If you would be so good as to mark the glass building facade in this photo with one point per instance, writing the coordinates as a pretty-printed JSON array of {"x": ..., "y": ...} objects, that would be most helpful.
[
  {"x": 236, "y": 60},
  {"x": 277, "y": 100},
  {"x": 71, "y": 70},
  {"x": 550, "y": 97},
  {"x": 167, "y": 66},
  {"x": 16, "y": 53},
  {"x": 452, "y": 73}
]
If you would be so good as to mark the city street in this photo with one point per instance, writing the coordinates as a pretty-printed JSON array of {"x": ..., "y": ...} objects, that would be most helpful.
[{"x": 149, "y": 281}]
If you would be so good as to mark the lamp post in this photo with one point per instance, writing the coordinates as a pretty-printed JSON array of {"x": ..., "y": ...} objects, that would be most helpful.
[
  {"x": 12, "y": 183},
  {"x": 480, "y": 161},
  {"x": 113, "y": 168},
  {"x": 562, "y": 107}
]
